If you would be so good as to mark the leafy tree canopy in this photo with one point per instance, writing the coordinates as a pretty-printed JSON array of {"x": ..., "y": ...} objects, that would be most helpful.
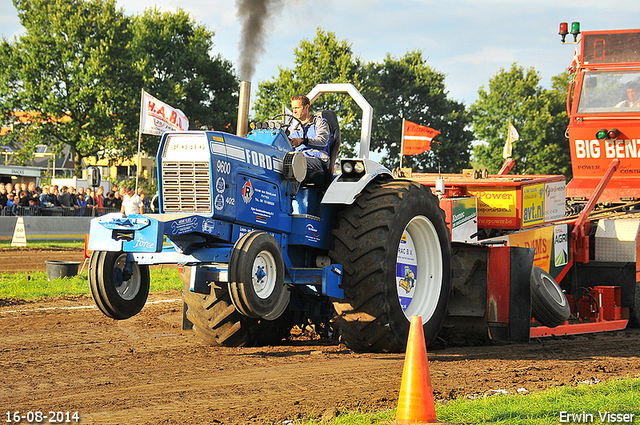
[
  {"x": 408, "y": 88},
  {"x": 65, "y": 72},
  {"x": 172, "y": 54},
  {"x": 396, "y": 88},
  {"x": 538, "y": 114},
  {"x": 80, "y": 67}
]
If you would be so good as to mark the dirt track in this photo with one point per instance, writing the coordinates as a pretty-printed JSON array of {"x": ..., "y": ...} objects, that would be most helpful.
[
  {"x": 33, "y": 259},
  {"x": 64, "y": 355}
]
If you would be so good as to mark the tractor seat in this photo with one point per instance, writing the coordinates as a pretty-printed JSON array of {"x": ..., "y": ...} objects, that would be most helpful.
[{"x": 322, "y": 179}]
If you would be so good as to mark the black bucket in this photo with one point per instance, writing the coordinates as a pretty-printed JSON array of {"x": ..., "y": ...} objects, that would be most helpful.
[{"x": 58, "y": 269}]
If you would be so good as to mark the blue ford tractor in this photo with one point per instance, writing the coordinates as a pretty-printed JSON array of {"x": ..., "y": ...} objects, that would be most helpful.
[{"x": 257, "y": 260}]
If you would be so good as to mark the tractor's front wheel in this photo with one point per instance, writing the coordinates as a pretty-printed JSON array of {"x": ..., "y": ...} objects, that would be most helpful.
[
  {"x": 256, "y": 276},
  {"x": 393, "y": 243},
  {"x": 119, "y": 287}
]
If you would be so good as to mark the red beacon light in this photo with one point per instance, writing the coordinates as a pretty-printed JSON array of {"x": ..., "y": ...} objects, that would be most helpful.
[{"x": 564, "y": 30}]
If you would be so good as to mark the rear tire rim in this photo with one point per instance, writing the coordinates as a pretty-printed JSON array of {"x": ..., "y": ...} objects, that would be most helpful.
[
  {"x": 419, "y": 269},
  {"x": 127, "y": 289},
  {"x": 264, "y": 274},
  {"x": 554, "y": 291}
]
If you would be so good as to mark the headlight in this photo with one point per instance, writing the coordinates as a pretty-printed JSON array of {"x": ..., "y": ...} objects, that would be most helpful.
[
  {"x": 347, "y": 168},
  {"x": 359, "y": 167}
]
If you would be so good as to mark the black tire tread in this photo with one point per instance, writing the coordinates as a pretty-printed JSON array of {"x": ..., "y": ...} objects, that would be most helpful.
[{"x": 93, "y": 284}]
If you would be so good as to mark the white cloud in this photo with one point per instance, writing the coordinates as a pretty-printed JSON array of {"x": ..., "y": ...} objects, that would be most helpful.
[{"x": 493, "y": 55}]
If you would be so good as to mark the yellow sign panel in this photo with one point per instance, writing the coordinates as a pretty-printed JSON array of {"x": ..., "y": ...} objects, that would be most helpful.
[
  {"x": 541, "y": 239},
  {"x": 532, "y": 205},
  {"x": 496, "y": 207}
]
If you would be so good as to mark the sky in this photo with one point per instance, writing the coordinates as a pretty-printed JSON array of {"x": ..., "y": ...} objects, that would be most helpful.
[{"x": 469, "y": 41}]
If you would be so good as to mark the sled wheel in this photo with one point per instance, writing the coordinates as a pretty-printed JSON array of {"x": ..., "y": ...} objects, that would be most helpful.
[
  {"x": 120, "y": 289},
  {"x": 256, "y": 276},
  {"x": 217, "y": 322},
  {"x": 549, "y": 304},
  {"x": 634, "y": 311},
  {"x": 394, "y": 246}
]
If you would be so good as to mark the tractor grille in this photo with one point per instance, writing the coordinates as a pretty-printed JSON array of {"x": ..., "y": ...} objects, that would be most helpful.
[{"x": 186, "y": 186}]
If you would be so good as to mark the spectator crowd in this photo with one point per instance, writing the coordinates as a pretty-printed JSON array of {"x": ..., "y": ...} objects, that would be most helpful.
[{"x": 27, "y": 200}]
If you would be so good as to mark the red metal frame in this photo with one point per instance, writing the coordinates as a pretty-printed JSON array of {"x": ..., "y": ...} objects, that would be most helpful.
[
  {"x": 579, "y": 328},
  {"x": 607, "y": 316},
  {"x": 506, "y": 167},
  {"x": 580, "y": 231},
  {"x": 498, "y": 285}
]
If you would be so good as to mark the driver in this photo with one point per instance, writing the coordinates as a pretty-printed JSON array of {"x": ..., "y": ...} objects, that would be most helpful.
[
  {"x": 313, "y": 137},
  {"x": 633, "y": 95}
]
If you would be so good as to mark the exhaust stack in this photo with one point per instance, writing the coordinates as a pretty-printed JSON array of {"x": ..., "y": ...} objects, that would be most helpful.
[{"x": 243, "y": 109}]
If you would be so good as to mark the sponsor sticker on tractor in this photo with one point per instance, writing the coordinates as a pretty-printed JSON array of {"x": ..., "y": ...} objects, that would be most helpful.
[
  {"x": 561, "y": 245},
  {"x": 532, "y": 205},
  {"x": 554, "y": 200},
  {"x": 497, "y": 207},
  {"x": 406, "y": 270},
  {"x": 541, "y": 239}
]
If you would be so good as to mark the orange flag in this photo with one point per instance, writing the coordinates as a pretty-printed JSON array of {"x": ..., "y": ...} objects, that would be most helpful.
[{"x": 416, "y": 138}]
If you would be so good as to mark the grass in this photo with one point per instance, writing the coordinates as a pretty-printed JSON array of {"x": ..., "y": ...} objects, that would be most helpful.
[
  {"x": 616, "y": 396},
  {"x": 48, "y": 244},
  {"x": 581, "y": 404},
  {"x": 32, "y": 286}
]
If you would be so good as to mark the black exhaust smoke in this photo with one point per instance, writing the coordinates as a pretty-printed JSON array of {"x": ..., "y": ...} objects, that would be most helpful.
[{"x": 253, "y": 14}]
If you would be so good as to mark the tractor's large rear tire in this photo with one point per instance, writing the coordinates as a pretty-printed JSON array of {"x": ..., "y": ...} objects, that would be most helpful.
[
  {"x": 393, "y": 243},
  {"x": 217, "y": 322}
]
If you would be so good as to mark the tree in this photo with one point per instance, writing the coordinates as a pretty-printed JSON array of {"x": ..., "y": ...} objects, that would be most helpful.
[
  {"x": 67, "y": 71},
  {"x": 539, "y": 116},
  {"x": 80, "y": 67},
  {"x": 172, "y": 54},
  {"x": 559, "y": 154},
  {"x": 323, "y": 60},
  {"x": 408, "y": 88},
  {"x": 396, "y": 88}
]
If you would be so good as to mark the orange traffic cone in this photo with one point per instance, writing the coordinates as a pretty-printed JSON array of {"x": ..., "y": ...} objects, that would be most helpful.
[{"x": 415, "y": 403}]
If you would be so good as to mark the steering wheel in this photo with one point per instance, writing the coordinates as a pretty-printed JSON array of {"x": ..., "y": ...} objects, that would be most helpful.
[{"x": 287, "y": 126}]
